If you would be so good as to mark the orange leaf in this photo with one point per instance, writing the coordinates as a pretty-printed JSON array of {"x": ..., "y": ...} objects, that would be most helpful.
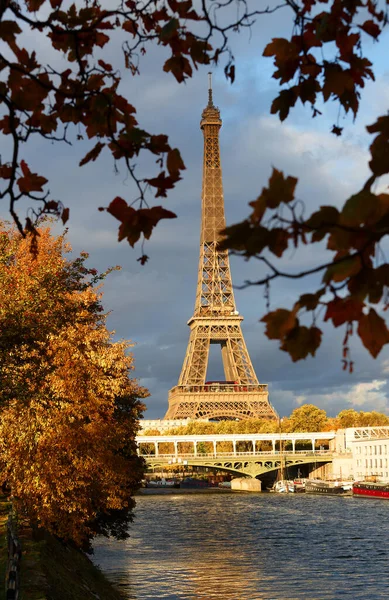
[
  {"x": 174, "y": 162},
  {"x": 373, "y": 332},
  {"x": 351, "y": 265}
]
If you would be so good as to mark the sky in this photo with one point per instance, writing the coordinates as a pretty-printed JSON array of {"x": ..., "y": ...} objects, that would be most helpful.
[{"x": 151, "y": 304}]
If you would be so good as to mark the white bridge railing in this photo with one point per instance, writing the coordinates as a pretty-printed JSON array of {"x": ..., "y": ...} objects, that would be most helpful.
[
  {"x": 278, "y": 441},
  {"x": 201, "y": 455}
]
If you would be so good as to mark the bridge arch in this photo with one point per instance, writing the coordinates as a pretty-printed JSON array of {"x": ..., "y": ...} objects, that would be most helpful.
[{"x": 247, "y": 466}]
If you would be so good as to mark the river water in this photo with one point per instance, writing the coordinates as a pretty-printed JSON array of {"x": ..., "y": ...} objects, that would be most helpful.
[{"x": 249, "y": 547}]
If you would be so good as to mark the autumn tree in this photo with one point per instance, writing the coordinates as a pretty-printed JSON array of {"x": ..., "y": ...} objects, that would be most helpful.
[
  {"x": 348, "y": 418},
  {"x": 306, "y": 417},
  {"x": 69, "y": 410},
  {"x": 352, "y": 418},
  {"x": 323, "y": 60}
]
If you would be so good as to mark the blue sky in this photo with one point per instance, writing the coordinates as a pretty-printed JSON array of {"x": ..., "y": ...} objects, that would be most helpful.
[{"x": 151, "y": 305}]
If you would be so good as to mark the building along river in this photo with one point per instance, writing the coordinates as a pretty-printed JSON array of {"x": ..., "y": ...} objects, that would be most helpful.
[{"x": 236, "y": 546}]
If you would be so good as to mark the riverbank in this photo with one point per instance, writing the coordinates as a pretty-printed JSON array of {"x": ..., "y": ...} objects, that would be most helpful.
[
  {"x": 51, "y": 570},
  {"x": 4, "y": 510},
  {"x": 172, "y": 490}
]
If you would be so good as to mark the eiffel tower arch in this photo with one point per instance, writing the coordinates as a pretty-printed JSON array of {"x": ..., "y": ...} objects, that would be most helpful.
[{"x": 215, "y": 319}]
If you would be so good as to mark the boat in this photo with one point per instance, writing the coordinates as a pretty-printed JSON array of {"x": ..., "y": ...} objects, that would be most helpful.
[
  {"x": 283, "y": 486},
  {"x": 299, "y": 485},
  {"x": 372, "y": 489},
  {"x": 318, "y": 486},
  {"x": 158, "y": 483}
]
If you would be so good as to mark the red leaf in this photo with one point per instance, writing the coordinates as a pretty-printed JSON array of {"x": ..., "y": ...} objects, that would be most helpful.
[
  {"x": 119, "y": 208},
  {"x": 143, "y": 259},
  {"x": 92, "y": 154},
  {"x": 65, "y": 215},
  {"x": 30, "y": 182},
  {"x": 302, "y": 341},
  {"x": 25, "y": 168},
  {"x": 284, "y": 102},
  {"x": 34, "y": 5},
  {"x": 371, "y": 28},
  {"x": 337, "y": 130},
  {"x": 278, "y": 323},
  {"x": 344, "y": 310},
  {"x": 5, "y": 171},
  {"x": 162, "y": 183}
]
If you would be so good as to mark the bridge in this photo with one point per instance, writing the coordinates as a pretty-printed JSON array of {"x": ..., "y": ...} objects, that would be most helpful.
[{"x": 249, "y": 462}]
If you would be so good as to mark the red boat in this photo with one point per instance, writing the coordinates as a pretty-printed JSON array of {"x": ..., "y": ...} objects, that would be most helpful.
[{"x": 371, "y": 489}]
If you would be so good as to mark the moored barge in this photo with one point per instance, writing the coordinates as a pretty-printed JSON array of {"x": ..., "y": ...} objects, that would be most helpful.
[
  {"x": 373, "y": 489},
  {"x": 316, "y": 486}
]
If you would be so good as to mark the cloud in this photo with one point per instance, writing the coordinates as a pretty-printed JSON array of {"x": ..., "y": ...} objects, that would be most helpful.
[{"x": 373, "y": 395}]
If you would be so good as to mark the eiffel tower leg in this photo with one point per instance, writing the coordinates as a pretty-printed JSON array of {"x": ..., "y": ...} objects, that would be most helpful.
[
  {"x": 229, "y": 371},
  {"x": 194, "y": 369}
]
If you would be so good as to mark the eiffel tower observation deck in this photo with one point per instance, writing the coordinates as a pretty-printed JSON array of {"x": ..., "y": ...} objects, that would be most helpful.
[{"x": 215, "y": 319}]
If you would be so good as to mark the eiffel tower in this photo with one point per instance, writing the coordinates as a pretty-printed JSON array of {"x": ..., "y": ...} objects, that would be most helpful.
[{"x": 215, "y": 319}]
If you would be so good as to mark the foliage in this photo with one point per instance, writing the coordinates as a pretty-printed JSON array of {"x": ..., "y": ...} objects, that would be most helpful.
[
  {"x": 83, "y": 99},
  {"x": 352, "y": 418},
  {"x": 324, "y": 60},
  {"x": 355, "y": 279},
  {"x": 306, "y": 417},
  {"x": 69, "y": 411}
]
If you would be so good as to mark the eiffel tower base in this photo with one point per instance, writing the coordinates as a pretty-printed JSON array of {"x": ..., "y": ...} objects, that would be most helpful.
[{"x": 220, "y": 401}]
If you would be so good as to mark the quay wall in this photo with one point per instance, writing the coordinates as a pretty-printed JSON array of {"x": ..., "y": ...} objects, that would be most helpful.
[{"x": 245, "y": 484}]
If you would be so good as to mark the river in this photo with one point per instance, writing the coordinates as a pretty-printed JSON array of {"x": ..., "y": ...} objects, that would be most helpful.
[{"x": 236, "y": 546}]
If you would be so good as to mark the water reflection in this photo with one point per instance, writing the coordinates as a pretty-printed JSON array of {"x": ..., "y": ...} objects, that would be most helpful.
[{"x": 243, "y": 547}]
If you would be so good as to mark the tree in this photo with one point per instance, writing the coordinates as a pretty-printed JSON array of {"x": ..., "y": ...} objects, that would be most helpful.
[
  {"x": 307, "y": 417},
  {"x": 69, "y": 410},
  {"x": 352, "y": 418},
  {"x": 348, "y": 418},
  {"x": 323, "y": 60}
]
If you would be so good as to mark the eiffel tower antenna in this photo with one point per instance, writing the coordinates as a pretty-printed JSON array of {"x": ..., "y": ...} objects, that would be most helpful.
[
  {"x": 210, "y": 100},
  {"x": 215, "y": 319}
]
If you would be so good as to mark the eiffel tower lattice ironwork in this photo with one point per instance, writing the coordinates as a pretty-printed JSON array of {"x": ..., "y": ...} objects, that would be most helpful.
[{"x": 215, "y": 319}]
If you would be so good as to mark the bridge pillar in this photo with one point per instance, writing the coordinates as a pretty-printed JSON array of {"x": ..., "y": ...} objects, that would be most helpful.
[
  {"x": 175, "y": 448},
  {"x": 214, "y": 448},
  {"x": 274, "y": 446},
  {"x": 234, "y": 446},
  {"x": 293, "y": 446},
  {"x": 195, "y": 448},
  {"x": 313, "y": 445},
  {"x": 253, "y": 443},
  {"x": 156, "y": 448}
]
